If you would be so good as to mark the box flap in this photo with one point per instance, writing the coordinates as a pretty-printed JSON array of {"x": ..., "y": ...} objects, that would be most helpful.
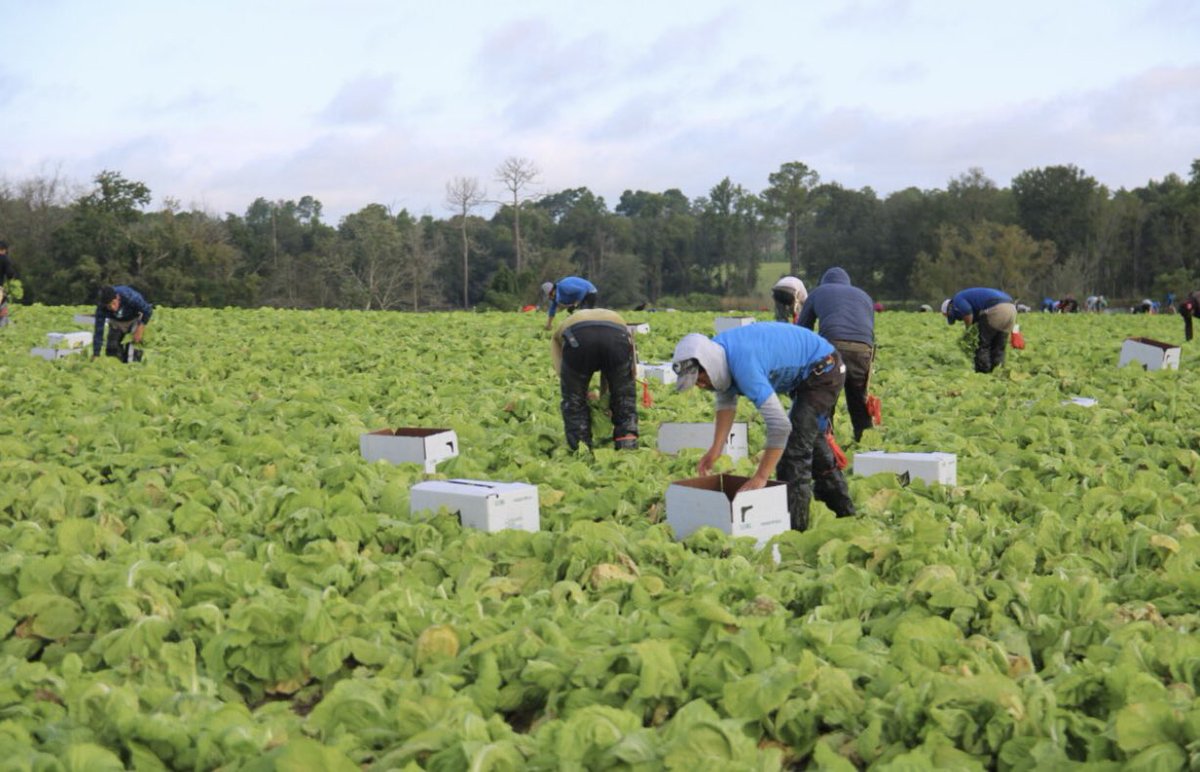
[{"x": 1155, "y": 343}]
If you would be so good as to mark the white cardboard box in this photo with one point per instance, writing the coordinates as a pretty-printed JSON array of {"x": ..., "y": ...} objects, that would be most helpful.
[
  {"x": 933, "y": 468},
  {"x": 487, "y": 506},
  {"x": 69, "y": 339},
  {"x": 714, "y": 501},
  {"x": 664, "y": 373},
  {"x": 641, "y": 327},
  {"x": 1151, "y": 354},
  {"x": 674, "y": 437},
  {"x": 54, "y": 353},
  {"x": 87, "y": 319},
  {"x": 724, "y": 323},
  {"x": 409, "y": 445}
]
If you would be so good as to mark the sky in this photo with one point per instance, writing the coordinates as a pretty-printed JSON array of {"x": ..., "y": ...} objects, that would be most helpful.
[{"x": 215, "y": 103}]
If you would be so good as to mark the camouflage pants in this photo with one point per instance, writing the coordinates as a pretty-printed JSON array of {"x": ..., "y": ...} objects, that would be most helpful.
[{"x": 807, "y": 464}]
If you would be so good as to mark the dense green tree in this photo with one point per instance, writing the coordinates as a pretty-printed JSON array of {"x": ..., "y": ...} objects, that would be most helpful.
[
  {"x": 787, "y": 198},
  {"x": 985, "y": 254},
  {"x": 1058, "y": 204}
]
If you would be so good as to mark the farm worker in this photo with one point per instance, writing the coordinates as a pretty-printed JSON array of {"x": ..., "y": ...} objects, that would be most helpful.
[
  {"x": 596, "y": 340},
  {"x": 1190, "y": 307},
  {"x": 1067, "y": 305},
  {"x": 845, "y": 316},
  {"x": 760, "y": 362},
  {"x": 789, "y": 295},
  {"x": 6, "y": 272},
  {"x": 995, "y": 314},
  {"x": 126, "y": 311},
  {"x": 570, "y": 291}
]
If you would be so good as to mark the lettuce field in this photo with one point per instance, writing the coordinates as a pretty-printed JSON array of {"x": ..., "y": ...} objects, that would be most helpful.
[{"x": 200, "y": 572}]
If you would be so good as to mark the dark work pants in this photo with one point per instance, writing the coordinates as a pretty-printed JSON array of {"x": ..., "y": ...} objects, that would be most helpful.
[
  {"x": 807, "y": 464},
  {"x": 995, "y": 327},
  {"x": 116, "y": 334},
  {"x": 857, "y": 358},
  {"x": 1186, "y": 312},
  {"x": 607, "y": 349}
]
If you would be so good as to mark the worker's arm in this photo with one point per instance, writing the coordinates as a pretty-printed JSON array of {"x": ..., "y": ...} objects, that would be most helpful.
[
  {"x": 721, "y": 427},
  {"x": 779, "y": 428}
]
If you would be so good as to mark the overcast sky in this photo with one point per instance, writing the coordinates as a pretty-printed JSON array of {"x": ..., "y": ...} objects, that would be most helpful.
[{"x": 217, "y": 102}]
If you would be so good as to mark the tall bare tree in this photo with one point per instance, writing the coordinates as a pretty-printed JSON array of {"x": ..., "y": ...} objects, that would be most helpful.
[
  {"x": 462, "y": 195},
  {"x": 517, "y": 174}
]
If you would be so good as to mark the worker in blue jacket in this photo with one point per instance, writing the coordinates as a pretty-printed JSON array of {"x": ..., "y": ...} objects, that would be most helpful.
[
  {"x": 570, "y": 291},
  {"x": 126, "y": 312},
  {"x": 760, "y": 362},
  {"x": 995, "y": 314}
]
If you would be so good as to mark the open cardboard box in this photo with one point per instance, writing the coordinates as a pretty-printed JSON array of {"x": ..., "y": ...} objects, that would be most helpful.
[
  {"x": 480, "y": 504},
  {"x": 409, "y": 445},
  {"x": 1151, "y": 354},
  {"x": 714, "y": 501}
]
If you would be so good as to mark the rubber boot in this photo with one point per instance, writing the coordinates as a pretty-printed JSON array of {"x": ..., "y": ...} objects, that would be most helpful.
[
  {"x": 799, "y": 497},
  {"x": 832, "y": 491}
]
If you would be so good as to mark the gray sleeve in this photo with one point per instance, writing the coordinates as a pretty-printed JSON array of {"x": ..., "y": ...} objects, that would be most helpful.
[
  {"x": 727, "y": 400},
  {"x": 779, "y": 426}
]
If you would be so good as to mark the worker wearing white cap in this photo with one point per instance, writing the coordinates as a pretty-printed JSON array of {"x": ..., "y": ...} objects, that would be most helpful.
[
  {"x": 760, "y": 362},
  {"x": 570, "y": 291},
  {"x": 789, "y": 295}
]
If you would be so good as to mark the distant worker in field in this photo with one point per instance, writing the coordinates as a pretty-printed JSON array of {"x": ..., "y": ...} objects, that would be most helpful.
[
  {"x": 789, "y": 295},
  {"x": 126, "y": 312},
  {"x": 1067, "y": 305},
  {"x": 7, "y": 273},
  {"x": 1189, "y": 308},
  {"x": 845, "y": 316},
  {"x": 591, "y": 341},
  {"x": 760, "y": 362},
  {"x": 994, "y": 314},
  {"x": 1096, "y": 303},
  {"x": 570, "y": 291}
]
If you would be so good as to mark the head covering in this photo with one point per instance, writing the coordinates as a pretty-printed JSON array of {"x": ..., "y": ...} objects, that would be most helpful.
[
  {"x": 835, "y": 275},
  {"x": 945, "y": 306},
  {"x": 707, "y": 355},
  {"x": 546, "y": 287},
  {"x": 795, "y": 285}
]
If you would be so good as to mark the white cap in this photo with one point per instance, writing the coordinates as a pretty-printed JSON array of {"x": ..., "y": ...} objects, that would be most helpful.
[
  {"x": 546, "y": 287},
  {"x": 945, "y": 306}
]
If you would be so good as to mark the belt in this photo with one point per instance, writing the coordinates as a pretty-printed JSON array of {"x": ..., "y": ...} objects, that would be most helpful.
[
  {"x": 824, "y": 366},
  {"x": 568, "y": 335}
]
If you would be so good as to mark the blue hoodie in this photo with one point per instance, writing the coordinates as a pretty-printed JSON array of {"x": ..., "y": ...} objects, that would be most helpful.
[
  {"x": 570, "y": 291},
  {"x": 844, "y": 311}
]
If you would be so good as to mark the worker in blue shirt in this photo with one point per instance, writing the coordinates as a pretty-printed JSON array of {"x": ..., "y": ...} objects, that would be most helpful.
[
  {"x": 570, "y": 291},
  {"x": 995, "y": 314},
  {"x": 126, "y": 312},
  {"x": 760, "y": 362}
]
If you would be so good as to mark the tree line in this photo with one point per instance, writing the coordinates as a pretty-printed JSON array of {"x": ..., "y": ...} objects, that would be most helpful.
[{"x": 1053, "y": 231}]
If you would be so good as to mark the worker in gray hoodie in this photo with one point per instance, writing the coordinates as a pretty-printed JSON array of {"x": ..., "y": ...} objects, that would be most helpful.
[{"x": 844, "y": 315}]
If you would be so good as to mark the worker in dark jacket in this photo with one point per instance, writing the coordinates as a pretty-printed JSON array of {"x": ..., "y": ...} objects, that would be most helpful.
[
  {"x": 1189, "y": 308},
  {"x": 995, "y": 314},
  {"x": 126, "y": 312},
  {"x": 591, "y": 341},
  {"x": 760, "y": 362},
  {"x": 845, "y": 316}
]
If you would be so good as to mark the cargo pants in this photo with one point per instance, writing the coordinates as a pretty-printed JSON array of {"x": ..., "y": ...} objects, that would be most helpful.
[
  {"x": 807, "y": 464},
  {"x": 858, "y": 358}
]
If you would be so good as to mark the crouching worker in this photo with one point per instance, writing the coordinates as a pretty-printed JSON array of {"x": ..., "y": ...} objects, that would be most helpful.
[
  {"x": 589, "y": 341},
  {"x": 127, "y": 313},
  {"x": 994, "y": 313},
  {"x": 1189, "y": 309},
  {"x": 760, "y": 362},
  {"x": 789, "y": 295}
]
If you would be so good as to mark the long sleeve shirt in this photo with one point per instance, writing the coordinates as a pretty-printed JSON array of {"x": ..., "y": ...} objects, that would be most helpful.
[
  {"x": 974, "y": 301},
  {"x": 767, "y": 359}
]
